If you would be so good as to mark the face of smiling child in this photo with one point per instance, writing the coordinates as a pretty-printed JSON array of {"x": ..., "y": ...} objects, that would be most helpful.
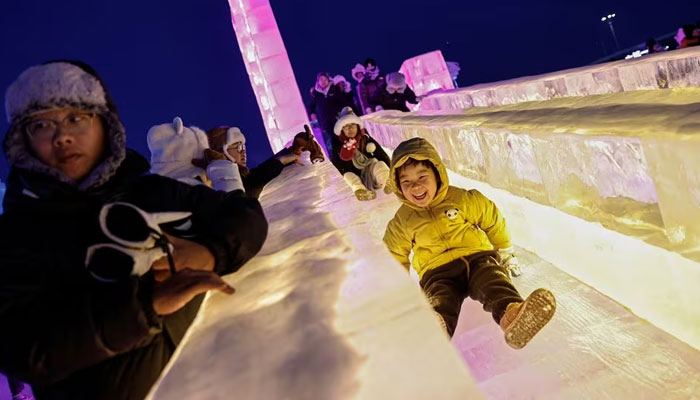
[{"x": 418, "y": 184}]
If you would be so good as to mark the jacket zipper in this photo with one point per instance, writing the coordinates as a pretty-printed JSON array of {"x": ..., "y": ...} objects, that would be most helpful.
[{"x": 437, "y": 226}]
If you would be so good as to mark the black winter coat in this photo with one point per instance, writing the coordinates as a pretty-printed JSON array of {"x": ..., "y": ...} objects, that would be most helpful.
[
  {"x": 347, "y": 166},
  {"x": 258, "y": 177},
  {"x": 396, "y": 100},
  {"x": 368, "y": 89},
  {"x": 73, "y": 337},
  {"x": 327, "y": 106}
]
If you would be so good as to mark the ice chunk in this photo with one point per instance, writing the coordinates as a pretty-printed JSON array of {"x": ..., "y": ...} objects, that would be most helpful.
[
  {"x": 672, "y": 69},
  {"x": 269, "y": 70},
  {"x": 427, "y": 72}
]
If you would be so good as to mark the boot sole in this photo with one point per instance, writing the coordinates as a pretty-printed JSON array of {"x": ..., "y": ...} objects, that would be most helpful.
[{"x": 533, "y": 315}]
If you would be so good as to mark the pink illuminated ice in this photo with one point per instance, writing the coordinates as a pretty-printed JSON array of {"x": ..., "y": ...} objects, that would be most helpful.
[
  {"x": 269, "y": 70},
  {"x": 427, "y": 72}
]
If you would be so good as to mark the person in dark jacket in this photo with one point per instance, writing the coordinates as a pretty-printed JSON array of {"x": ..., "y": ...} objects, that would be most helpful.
[
  {"x": 358, "y": 74},
  {"x": 326, "y": 102},
  {"x": 361, "y": 160},
  {"x": 90, "y": 328},
  {"x": 691, "y": 38},
  {"x": 395, "y": 94},
  {"x": 371, "y": 83},
  {"x": 230, "y": 141}
]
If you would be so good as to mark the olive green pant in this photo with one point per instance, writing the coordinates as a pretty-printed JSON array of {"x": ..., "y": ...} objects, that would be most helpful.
[{"x": 479, "y": 276}]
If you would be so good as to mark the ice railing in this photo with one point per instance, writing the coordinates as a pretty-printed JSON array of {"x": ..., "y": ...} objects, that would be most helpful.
[{"x": 673, "y": 69}]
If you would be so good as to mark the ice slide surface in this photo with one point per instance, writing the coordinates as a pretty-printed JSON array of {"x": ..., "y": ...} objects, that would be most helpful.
[{"x": 324, "y": 312}]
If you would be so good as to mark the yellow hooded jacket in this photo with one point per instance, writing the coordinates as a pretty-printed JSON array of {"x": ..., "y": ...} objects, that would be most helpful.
[{"x": 455, "y": 224}]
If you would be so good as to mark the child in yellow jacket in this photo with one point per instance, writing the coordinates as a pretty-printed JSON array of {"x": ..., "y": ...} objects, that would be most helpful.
[{"x": 458, "y": 239}]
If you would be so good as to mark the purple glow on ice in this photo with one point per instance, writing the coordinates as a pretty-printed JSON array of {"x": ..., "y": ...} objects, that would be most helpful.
[
  {"x": 269, "y": 70},
  {"x": 427, "y": 72}
]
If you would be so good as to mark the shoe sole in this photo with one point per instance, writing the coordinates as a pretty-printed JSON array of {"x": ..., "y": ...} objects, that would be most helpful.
[{"x": 533, "y": 315}]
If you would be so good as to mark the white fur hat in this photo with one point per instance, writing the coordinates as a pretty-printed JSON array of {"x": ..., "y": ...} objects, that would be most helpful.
[
  {"x": 347, "y": 116},
  {"x": 358, "y": 68},
  {"x": 173, "y": 147},
  {"x": 233, "y": 135}
]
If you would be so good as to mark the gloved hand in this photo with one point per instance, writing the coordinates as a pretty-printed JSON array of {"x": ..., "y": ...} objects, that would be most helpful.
[
  {"x": 109, "y": 262},
  {"x": 510, "y": 261},
  {"x": 224, "y": 175},
  {"x": 379, "y": 108},
  {"x": 209, "y": 156}
]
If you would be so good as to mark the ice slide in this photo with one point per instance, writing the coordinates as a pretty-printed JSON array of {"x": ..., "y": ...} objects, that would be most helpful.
[
  {"x": 601, "y": 194},
  {"x": 325, "y": 313}
]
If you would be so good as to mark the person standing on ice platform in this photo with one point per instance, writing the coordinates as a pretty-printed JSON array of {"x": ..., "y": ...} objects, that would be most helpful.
[
  {"x": 100, "y": 284},
  {"x": 361, "y": 160},
  {"x": 327, "y": 100},
  {"x": 460, "y": 246},
  {"x": 395, "y": 93}
]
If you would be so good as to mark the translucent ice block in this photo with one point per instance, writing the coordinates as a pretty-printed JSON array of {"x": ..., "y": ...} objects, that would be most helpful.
[
  {"x": 269, "y": 70},
  {"x": 672, "y": 69},
  {"x": 427, "y": 72},
  {"x": 627, "y": 160}
]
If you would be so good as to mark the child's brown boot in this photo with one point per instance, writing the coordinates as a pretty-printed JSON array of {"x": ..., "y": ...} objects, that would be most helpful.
[{"x": 522, "y": 321}]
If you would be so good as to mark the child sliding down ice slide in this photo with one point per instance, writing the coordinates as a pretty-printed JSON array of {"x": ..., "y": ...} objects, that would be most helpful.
[
  {"x": 359, "y": 158},
  {"x": 460, "y": 245}
]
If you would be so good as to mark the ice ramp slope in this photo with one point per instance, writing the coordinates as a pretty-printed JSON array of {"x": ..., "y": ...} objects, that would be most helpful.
[
  {"x": 625, "y": 164},
  {"x": 323, "y": 312}
]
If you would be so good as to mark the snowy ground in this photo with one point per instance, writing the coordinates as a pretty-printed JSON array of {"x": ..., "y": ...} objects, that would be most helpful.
[{"x": 325, "y": 313}]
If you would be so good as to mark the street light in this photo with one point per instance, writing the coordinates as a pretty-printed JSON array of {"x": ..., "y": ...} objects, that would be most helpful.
[{"x": 609, "y": 20}]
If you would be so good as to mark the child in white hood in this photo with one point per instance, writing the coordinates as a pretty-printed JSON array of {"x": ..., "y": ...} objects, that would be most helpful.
[
  {"x": 183, "y": 153},
  {"x": 361, "y": 160}
]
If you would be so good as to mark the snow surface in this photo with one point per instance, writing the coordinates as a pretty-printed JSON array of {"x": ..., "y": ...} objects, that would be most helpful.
[{"x": 324, "y": 312}]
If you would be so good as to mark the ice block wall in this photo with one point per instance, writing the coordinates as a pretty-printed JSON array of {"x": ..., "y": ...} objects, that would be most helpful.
[
  {"x": 629, "y": 161},
  {"x": 269, "y": 70},
  {"x": 672, "y": 69},
  {"x": 427, "y": 72}
]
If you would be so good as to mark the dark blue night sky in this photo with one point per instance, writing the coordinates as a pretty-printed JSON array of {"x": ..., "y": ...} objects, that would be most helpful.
[{"x": 180, "y": 57}]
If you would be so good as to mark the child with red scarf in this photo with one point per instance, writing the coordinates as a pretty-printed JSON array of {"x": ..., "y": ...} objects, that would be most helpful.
[{"x": 360, "y": 159}]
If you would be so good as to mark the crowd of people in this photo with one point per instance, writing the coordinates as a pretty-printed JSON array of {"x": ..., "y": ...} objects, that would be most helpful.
[
  {"x": 105, "y": 257},
  {"x": 336, "y": 106}
]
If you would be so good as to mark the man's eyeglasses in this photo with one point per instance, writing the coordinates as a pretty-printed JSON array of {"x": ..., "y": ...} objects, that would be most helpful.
[
  {"x": 239, "y": 147},
  {"x": 45, "y": 129}
]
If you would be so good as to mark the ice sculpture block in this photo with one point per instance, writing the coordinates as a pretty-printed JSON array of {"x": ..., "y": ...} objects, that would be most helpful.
[
  {"x": 628, "y": 161},
  {"x": 427, "y": 72},
  {"x": 323, "y": 312},
  {"x": 667, "y": 70},
  {"x": 269, "y": 70}
]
